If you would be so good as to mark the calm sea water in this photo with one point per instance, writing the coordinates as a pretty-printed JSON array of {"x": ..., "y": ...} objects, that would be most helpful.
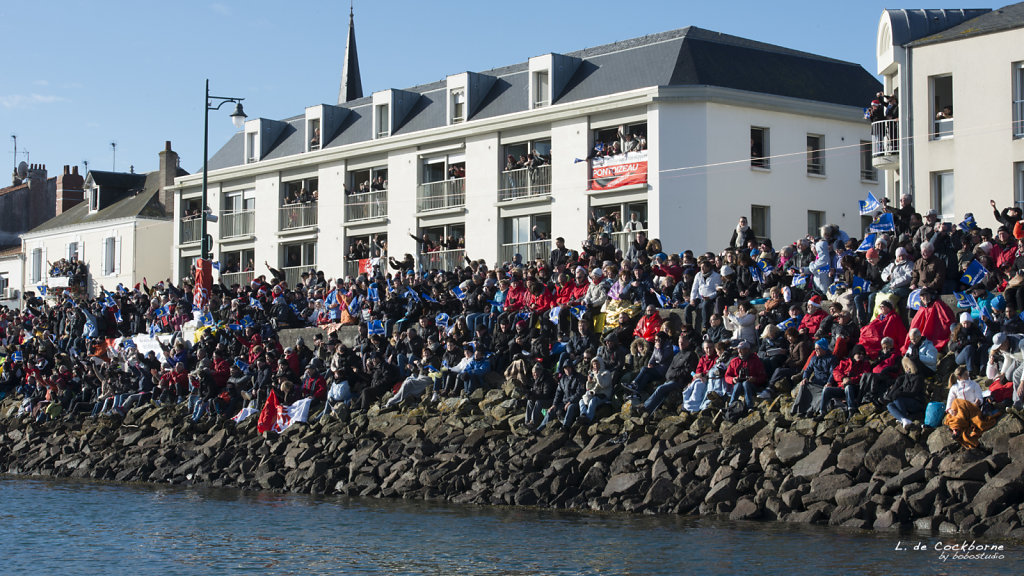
[{"x": 61, "y": 527}]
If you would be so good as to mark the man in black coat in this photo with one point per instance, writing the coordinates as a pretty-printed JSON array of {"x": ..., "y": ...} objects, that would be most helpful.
[
  {"x": 568, "y": 393},
  {"x": 677, "y": 376}
]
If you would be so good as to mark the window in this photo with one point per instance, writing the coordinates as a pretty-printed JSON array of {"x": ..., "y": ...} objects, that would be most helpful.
[
  {"x": 942, "y": 106},
  {"x": 241, "y": 201},
  {"x": 458, "y": 106},
  {"x": 759, "y": 154},
  {"x": 295, "y": 255},
  {"x": 94, "y": 199},
  {"x": 449, "y": 237},
  {"x": 73, "y": 251},
  {"x": 760, "y": 221},
  {"x": 369, "y": 180},
  {"x": 867, "y": 168},
  {"x": 110, "y": 256},
  {"x": 619, "y": 139},
  {"x": 541, "y": 89},
  {"x": 816, "y": 154},
  {"x": 815, "y": 220},
  {"x": 1018, "y": 100},
  {"x": 5, "y": 283},
  {"x": 314, "y": 134},
  {"x": 383, "y": 120},
  {"x": 37, "y": 265},
  {"x": 300, "y": 191},
  {"x": 251, "y": 154},
  {"x": 1018, "y": 183},
  {"x": 943, "y": 198}
]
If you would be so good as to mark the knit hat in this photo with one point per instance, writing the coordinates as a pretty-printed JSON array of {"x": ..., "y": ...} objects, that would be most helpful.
[
  {"x": 901, "y": 251},
  {"x": 871, "y": 253},
  {"x": 965, "y": 316},
  {"x": 821, "y": 343},
  {"x": 727, "y": 270}
]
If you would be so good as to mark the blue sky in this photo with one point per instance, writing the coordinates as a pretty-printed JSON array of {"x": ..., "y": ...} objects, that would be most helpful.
[{"x": 79, "y": 75}]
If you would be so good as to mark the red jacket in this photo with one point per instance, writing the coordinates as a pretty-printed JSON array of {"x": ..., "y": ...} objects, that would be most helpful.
[
  {"x": 812, "y": 321},
  {"x": 515, "y": 300},
  {"x": 314, "y": 387},
  {"x": 847, "y": 368},
  {"x": 564, "y": 293},
  {"x": 648, "y": 327},
  {"x": 579, "y": 290},
  {"x": 755, "y": 369},
  {"x": 706, "y": 363},
  {"x": 541, "y": 302}
]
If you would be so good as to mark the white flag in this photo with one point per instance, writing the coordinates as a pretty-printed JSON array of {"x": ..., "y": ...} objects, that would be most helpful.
[
  {"x": 245, "y": 413},
  {"x": 297, "y": 412}
]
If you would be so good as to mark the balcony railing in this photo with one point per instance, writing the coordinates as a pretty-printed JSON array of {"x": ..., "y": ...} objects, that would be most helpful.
[
  {"x": 524, "y": 183},
  {"x": 294, "y": 216},
  {"x": 441, "y": 195},
  {"x": 442, "y": 259},
  {"x": 191, "y": 230},
  {"x": 366, "y": 206},
  {"x": 293, "y": 274},
  {"x": 240, "y": 278},
  {"x": 352, "y": 268},
  {"x": 943, "y": 128},
  {"x": 234, "y": 224},
  {"x": 621, "y": 240},
  {"x": 885, "y": 138},
  {"x": 529, "y": 250}
]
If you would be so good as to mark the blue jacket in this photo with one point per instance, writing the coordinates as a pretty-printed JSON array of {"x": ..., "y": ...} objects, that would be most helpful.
[{"x": 819, "y": 370}]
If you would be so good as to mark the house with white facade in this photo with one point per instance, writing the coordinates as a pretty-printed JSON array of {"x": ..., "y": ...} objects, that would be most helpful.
[
  {"x": 722, "y": 127},
  {"x": 119, "y": 227},
  {"x": 971, "y": 61}
]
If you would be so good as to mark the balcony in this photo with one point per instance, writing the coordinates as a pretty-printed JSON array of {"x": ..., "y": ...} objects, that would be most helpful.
[
  {"x": 352, "y": 268},
  {"x": 942, "y": 128},
  {"x": 366, "y": 206},
  {"x": 442, "y": 259},
  {"x": 191, "y": 230},
  {"x": 524, "y": 183},
  {"x": 240, "y": 278},
  {"x": 885, "y": 144},
  {"x": 441, "y": 195},
  {"x": 293, "y": 274},
  {"x": 296, "y": 216},
  {"x": 529, "y": 250},
  {"x": 235, "y": 224}
]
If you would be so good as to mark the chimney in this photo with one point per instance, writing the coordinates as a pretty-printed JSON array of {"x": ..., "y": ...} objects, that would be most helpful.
[
  {"x": 168, "y": 170},
  {"x": 70, "y": 189}
]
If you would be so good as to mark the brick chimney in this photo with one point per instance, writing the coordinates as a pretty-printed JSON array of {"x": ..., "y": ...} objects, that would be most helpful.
[
  {"x": 168, "y": 170},
  {"x": 70, "y": 189}
]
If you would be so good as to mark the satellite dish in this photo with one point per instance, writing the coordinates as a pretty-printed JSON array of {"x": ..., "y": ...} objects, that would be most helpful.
[{"x": 22, "y": 170}]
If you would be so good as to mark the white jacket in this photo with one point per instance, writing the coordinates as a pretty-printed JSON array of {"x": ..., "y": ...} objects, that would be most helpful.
[{"x": 705, "y": 286}]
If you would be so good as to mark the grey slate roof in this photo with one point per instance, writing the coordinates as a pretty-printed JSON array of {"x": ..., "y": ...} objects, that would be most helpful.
[
  {"x": 145, "y": 204},
  {"x": 908, "y": 25},
  {"x": 687, "y": 56},
  {"x": 999, "y": 20}
]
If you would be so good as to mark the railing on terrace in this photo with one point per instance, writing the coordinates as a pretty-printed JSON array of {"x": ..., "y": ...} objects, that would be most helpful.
[
  {"x": 943, "y": 128},
  {"x": 529, "y": 250},
  {"x": 237, "y": 223},
  {"x": 191, "y": 230},
  {"x": 441, "y": 195},
  {"x": 240, "y": 278},
  {"x": 366, "y": 206},
  {"x": 442, "y": 259},
  {"x": 294, "y": 216},
  {"x": 524, "y": 183},
  {"x": 352, "y": 268},
  {"x": 293, "y": 274}
]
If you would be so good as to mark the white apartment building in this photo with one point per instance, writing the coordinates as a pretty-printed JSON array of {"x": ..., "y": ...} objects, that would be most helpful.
[
  {"x": 973, "y": 62},
  {"x": 732, "y": 127}
]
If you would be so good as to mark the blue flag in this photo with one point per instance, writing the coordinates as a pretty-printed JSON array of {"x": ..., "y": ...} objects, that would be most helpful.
[
  {"x": 578, "y": 311},
  {"x": 788, "y": 323},
  {"x": 42, "y": 290},
  {"x": 235, "y": 326},
  {"x": 16, "y": 356},
  {"x": 524, "y": 315},
  {"x": 162, "y": 311},
  {"x": 765, "y": 267},
  {"x": 553, "y": 314},
  {"x": 868, "y": 243},
  {"x": 968, "y": 224},
  {"x": 215, "y": 266},
  {"x": 410, "y": 293},
  {"x": 391, "y": 289},
  {"x": 756, "y": 274},
  {"x": 975, "y": 273},
  {"x": 883, "y": 223},
  {"x": 663, "y": 301},
  {"x": 254, "y": 303},
  {"x": 117, "y": 316},
  {"x": 870, "y": 205},
  {"x": 128, "y": 343},
  {"x": 372, "y": 294},
  {"x": 441, "y": 320},
  {"x": 353, "y": 306},
  {"x": 247, "y": 321},
  {"x": 428, "y": 297},
  {"x": 108, "y": 300},
  {"x": 459, "y": 293},
  {"x": 375, "y": 327},
  {"x": 836, "y": 288},
  {"x": 914, "y": 300},
  {"x": 965, "y": 300},
  {"x": 153, "y": 330},
  {"x": 206, "y": 319},
  {"x": 241, "y": 365},
  {"x": 860, "y": 285},
  {"x": 800, "y": 280}
]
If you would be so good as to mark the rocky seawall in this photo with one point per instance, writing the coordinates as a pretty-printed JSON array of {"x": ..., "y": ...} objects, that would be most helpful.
[{"x": 863, "y": 473}]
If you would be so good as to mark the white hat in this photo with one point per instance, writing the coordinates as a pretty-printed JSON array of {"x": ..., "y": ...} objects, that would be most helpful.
[
  {"x": 727, "y": 270},
  {"x": 966, "y": 317}
]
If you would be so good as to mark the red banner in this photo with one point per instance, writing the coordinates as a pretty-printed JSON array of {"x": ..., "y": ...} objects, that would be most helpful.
[
  {"x": 609, "y": 172},
  {"x": 364, "y": 266},
  {"x": 203, "y": 284}
]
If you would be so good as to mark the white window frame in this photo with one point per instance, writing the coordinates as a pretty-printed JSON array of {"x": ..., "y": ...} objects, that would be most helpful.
[
  {"x": 765, "y": 230},
  {"x": 940, "y": 195},
  {"x": 37, "y": 265},
  {"x": 457, "y": 97},
  {"x": 1018, "y": 100},
  {"x": 94, "y": 199},
  {"x": 541, "y": 94},
  {"x": 816, "y": 168},
  {"x": 821, "y": 218},
  {"x": 382, "y": 120},
  {"x": 868, "y": 172},
  {"x": 935, "y": 108},
  {"x": 1018, "y": 183},
  {"x": 252, "y": 143},
  {"x": 110, "y": 256},
  {"x": 765, "y": 158}
]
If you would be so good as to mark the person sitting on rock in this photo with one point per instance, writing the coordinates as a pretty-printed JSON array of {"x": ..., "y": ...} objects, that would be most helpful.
[
  {"x": 921, "y": 352},
  {"x": 565, "y": 405},
  {"x": 472, "y": 375},
  {"x": 846, "y": 381},
  {"x": 816, "y": 376},
  {"x": 599, "y": 390},
  {"x": 907, "y": 395},
  {"x": 679, "y": 373},
  {"x": 540, "y": 391},
  {"x": 963, "y": 410},
  {"x": 746, "y": 375}
]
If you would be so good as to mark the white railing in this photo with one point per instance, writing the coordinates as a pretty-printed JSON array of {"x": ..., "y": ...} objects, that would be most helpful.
[
  {"x": 237, "y": 223},
  {"x": 524, "y": 183},
  {"x": 622, "y": 240},
  {"x": 191, "y": 230},
  {"x": 943, "y": 128},
  {"x": 885, "y": 138},
  {"x": 352, "y": 268},
  {"x": 442, "y": 259},
  {"x": 440, "y": 195},
  {"x": 295, "y": 216},
  {"x": 293, "y": 274},
  {"x": 528, "y": 250},
  {"x": 241, "y": 278},
  {"x": 366, "y": 206}
]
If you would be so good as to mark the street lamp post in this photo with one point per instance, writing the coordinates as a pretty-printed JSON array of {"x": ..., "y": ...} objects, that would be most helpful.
[{"x": 238, "y": 118}]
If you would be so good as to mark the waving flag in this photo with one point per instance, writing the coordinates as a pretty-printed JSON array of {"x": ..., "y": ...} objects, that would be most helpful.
[
  {"x": 836, "y": 288},
  {"x": 353, "y": 306},
  {"x": 412, "y": 295},
  {"x": 860, "y": 285},
  {"x": 883, "y": 223},
  {"x": 524, "y": 315},
  {"x": 206, "y": 319},
  {"x": 427, "y": 297},
  {"x": 965, "y": 300},
  {"x": 247, "y": 321},
  {"x": 254, "y": 303},
  {"x": 162, "y": 311},
  {"x": 42, "y": 290},
  {"x": 391, "y": 289},
  {"x": 800, "y": 280},
  {"x": 914, "y": 300},
  {"x": 788, "y": 323},
  {"x": 243, "y": 414},
  {"x": 458, "y": 293},
  {"x": 372, "y": 294},
  {"x": 663, "y": 301},
  {"x": 215, "y": 266},
  {"x": 553, "y": 314},
  {"x": 975, "y": 273},
  {"x": 16, "y": 356},
  {"x": 765, "y": 267},
  {"x": 968, "y": 224},
  {"x": 757, "y": 274},
  {"x": 153, "y": 330},
  {"x": 241, "y": 365},
  {"x": 870, "y": 205},
  {"x": 578, "y": 311},
  {"x": 375, "y": 327},
  {"x": 441, "y": 320},
  {"x": 108, "y": 300},
  {"x": 117, "y": 316},
  {"x": 868, "y": 243}
]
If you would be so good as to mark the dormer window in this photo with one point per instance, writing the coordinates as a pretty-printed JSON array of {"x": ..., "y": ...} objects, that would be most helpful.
[
  {"x": 314, "y": 134},
  {"x": 382, "y": 120},
  {"x": 541, "y": 89},
  {"x": 252, "y": 153},
  {"x": 94, "y": 199},
  {"x": 458, "y": 106}
]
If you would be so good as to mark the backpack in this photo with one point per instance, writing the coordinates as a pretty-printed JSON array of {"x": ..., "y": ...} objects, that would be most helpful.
[{"x": 734, "y": 411}]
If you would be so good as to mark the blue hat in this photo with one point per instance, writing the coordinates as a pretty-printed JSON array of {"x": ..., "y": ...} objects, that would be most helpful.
[{"x": 821, "y": 343}]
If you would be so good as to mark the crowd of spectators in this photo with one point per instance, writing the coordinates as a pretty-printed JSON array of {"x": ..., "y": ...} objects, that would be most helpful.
[
  {"x": 831, "y": 322},
  {"x": 625, "y": 140},
  {"x": 885, "y": 107}
]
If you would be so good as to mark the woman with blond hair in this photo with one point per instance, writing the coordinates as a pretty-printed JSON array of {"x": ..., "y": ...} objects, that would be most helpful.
[{"x": 963, "y": 409}]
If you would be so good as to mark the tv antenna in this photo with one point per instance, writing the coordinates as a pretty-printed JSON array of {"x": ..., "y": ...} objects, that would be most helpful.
[{"x": 113, "y": 150}]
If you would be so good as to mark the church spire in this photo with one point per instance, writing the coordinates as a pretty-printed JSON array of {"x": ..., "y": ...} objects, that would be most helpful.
[{"x": 351, "y": 83}]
